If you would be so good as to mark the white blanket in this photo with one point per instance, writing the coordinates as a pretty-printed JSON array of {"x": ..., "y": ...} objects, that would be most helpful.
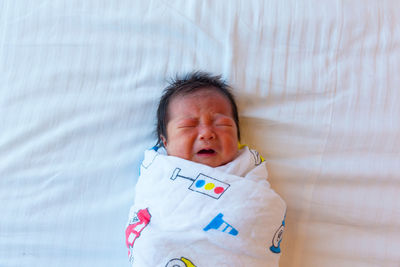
[{"x": 189, "y": 214}]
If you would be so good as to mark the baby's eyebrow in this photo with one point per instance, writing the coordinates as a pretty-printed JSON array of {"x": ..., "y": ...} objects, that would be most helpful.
[
  {"x": 187, "y": 120},
  {"x": 220, "y": 115}
]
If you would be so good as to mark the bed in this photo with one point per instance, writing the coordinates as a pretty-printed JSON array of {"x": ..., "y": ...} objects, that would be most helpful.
[{"x": 317, "y": 84}]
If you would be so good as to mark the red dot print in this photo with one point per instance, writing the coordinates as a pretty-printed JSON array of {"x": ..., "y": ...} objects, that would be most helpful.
[{"x": 218, "y": 190}]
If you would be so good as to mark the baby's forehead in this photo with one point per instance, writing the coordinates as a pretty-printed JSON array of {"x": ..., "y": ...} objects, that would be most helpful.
[{"x": 209, "y": 99}]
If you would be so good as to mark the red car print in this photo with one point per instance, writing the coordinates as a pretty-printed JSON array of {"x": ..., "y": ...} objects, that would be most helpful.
[{"x": 136, "y": 226}]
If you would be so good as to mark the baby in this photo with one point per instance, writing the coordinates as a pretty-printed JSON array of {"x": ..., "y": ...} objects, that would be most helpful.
[
  {"x": 198, "y": 120},
  {"x": 201, "y": 198}
]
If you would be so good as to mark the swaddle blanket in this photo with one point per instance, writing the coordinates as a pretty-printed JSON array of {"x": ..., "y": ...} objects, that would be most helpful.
[{"x": 190, "y": 214}]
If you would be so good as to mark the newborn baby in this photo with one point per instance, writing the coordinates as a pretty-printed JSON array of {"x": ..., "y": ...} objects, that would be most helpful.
[
  {"x": 200, "y": 124},
  {"x": 202, "y": 199}
]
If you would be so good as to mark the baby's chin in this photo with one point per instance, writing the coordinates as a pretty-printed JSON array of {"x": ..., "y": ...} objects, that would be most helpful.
[{"x": 212, "y": 161}]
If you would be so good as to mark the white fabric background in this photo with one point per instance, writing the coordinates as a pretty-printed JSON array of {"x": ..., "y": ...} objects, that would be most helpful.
[{"x": 317, "y": 84}]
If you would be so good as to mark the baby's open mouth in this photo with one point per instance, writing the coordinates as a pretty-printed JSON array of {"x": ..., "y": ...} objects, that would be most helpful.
[{"x": 206, "y": 152}]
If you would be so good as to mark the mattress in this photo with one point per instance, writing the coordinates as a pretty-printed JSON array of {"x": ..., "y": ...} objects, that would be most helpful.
[{"x": 317, "y": 87}]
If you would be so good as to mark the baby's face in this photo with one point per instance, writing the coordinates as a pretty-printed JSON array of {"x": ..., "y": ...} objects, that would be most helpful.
[{"x": 201, "y": 128}]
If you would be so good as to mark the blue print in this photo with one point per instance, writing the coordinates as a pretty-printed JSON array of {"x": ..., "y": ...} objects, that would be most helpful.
[
  {"x": 276, "y": 241},
  {"x": 219, "y": 224}
]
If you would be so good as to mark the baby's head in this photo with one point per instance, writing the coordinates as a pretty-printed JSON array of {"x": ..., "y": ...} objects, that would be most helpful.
[{"x": 197, "y": 120}]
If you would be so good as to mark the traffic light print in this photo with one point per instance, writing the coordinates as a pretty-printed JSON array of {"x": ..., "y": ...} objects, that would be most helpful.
[{"x": 203, "y": 184}]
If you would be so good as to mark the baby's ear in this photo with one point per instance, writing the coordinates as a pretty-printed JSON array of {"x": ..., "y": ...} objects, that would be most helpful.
[{"x": 164, "y": 140}]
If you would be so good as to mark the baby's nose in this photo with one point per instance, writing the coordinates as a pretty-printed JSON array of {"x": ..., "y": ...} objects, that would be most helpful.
[{"x": 206, "y": 133}]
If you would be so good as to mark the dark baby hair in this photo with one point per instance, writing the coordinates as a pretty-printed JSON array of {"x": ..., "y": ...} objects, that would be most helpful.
[{"x": 185, "y": 85}]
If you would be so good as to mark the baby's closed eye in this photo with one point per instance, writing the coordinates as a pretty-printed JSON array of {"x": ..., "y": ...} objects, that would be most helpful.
[
  {"x": 224, "y": 122},
  {"x": 187, "y": 123}
]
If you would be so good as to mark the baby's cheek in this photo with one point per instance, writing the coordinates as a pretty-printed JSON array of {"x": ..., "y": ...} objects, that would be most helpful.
[
  {"x": 232, "y": 146},
  {"x": 183, "y": 148}
]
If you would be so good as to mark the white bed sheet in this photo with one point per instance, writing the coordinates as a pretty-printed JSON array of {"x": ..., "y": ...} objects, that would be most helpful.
[{"x": 318, "y": 90}]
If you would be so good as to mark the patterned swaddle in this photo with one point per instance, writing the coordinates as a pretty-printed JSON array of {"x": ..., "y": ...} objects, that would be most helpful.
[{"x": 190, "y": 214}]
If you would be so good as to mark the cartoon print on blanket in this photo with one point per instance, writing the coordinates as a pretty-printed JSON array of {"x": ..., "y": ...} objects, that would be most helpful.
[
  {"x": 182, "y": 262},
  {"x": 186, "y": 218},
  {"x": 258, "y": 159},
  {"x": 136, "y": 225},
  {"x": 219, "y": 224},
  {"x": 204, "y": 184},
  {"x": 276, "y": 241}
]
